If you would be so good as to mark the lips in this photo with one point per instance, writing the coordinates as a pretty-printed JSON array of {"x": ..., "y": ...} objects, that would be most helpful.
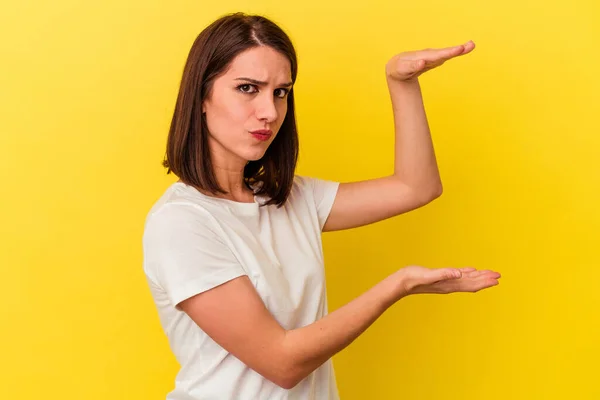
[{"x": 262, "y": 134}]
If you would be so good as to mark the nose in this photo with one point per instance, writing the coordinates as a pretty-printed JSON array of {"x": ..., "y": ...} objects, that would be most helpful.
[{"x": 266, "y": 109}]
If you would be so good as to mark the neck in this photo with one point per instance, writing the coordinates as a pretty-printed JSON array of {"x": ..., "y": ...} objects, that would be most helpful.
[
  {"x": 232, "y": 181},
  {"x": 229, "y": 172}
]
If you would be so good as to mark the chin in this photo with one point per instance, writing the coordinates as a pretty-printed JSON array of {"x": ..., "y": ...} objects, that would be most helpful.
[
  {"x": 255, "y": 157},
  {"x": 253, "y": 154}
]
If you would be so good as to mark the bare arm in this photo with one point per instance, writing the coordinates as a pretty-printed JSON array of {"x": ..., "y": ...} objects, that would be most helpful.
[
  {"x": 235, "y": 317},
  {"x": 312, "y": 345},
  {"x": 416, "y": 179}
]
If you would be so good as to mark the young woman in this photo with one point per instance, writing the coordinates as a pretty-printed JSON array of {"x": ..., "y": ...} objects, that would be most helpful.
[{"x": 232, "y": 251}]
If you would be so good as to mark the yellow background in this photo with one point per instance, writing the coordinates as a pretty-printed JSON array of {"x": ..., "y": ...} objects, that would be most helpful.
[{"x": 86, "y": 94}]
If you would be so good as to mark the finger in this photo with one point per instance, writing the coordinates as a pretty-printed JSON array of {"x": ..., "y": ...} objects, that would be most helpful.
[
  {"x": 469, "y": 47},
  {"x": 439, "y": 55},
  {"x": 442, "y": 274},
  {"x": 469, "y": 286},
  {"x": 489, "y": 274},
  {"x": 482, "y": 282},
  {"x": 457, "y": 285},
  {"x": 444, "y": 54},
  {"x": 487, "y": 284},
  {"x": 472, "y": 274},
  {"x": 481, "y": 273},
  {"x": 437, "y": 275},
  {"x": 472, "y": 282},
  {"x": 458, "y": 49},
  {"x": 467, "y": 269}
]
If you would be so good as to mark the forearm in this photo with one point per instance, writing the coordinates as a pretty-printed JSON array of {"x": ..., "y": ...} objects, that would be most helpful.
[
  {"x": 414, "y": 159},
  {"x": 308, "y": 347}
]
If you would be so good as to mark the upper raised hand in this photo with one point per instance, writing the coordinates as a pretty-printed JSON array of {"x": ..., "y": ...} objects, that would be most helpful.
[{"x": 409, "y": 65}]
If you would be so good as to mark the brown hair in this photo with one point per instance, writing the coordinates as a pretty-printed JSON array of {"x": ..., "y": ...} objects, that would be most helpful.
[{"x": 188, "y": 154}]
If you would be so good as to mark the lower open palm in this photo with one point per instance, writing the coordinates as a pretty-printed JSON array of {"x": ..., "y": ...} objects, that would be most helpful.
[{"x": 417, "y": 279}]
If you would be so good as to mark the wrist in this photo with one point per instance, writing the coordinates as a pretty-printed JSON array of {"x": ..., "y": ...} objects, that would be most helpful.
[
  {"x": 407, "y": 84},
  {"x": 393, "y": 288}
]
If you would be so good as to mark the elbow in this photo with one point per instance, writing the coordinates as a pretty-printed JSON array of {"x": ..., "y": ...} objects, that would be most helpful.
[
  {"x": 286, "y": 380},
  {"x": 287, "y": 383},
  {"x": 281, "y": 374},
  {"x": 436, "y": 192},
  {"x": 287, "y": 373},
  {"x": 288, "y": 377},
  {"x": 429, "y": 194}
]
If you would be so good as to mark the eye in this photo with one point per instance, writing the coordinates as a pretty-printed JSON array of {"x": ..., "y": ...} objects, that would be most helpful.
[
  {"x": 246, "y": 88},
  {"x": 251, "y": 89},
  {"x": 281, "y": 93}
]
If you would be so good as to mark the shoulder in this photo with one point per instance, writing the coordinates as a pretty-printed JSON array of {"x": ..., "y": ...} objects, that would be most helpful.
[
  {"x": 176, "y": 212},
  {"x": 310, "y": 185},
  {"x": 302, "y": 183},
  {"x": 315, "y": 188},
  {"x": 316, "y": 195}
]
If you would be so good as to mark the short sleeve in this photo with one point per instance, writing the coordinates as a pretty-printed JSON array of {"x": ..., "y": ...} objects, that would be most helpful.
[
  {"x": 184, "y": 255},
  {"x": 324, "y": 192}
]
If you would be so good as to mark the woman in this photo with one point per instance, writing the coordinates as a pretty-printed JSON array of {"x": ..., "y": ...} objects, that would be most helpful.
[{"x": 232, "y": 251}]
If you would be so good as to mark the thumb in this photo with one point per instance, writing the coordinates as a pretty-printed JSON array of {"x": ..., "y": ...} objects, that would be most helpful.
[
  {"x": 417, "y": 65},
  {"x": 443, "y": 274}
]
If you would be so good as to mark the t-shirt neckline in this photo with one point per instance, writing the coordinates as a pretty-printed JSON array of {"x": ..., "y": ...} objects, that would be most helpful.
[{"x": 232, "y": 205}]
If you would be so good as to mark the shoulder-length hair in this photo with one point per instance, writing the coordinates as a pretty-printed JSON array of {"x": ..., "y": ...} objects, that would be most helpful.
[{"x": 187, "y": 154}]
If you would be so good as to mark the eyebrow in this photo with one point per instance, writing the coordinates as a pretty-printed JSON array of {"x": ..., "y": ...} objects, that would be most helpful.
[{"x": 261, "y": 83}]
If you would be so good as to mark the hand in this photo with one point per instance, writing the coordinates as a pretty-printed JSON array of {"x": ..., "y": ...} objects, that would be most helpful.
[
  {"x": 407, "y": 66},
  {"x": 415, "y": 279}
]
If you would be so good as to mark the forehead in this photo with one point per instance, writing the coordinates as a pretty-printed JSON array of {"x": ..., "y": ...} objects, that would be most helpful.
[{"x": 261, "y": 63}]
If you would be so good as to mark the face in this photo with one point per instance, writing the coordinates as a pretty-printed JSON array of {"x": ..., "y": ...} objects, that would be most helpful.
[{"x": 247, "y": 105}]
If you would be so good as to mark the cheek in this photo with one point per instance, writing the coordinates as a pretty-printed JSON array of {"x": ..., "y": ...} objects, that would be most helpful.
[
  {"x": 282, "y": 112},
  {"x": 225, "y": 119},
  {"x": 236, "y": 110}
]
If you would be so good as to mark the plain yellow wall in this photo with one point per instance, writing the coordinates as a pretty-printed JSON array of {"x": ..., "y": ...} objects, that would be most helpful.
[{"x": 86, "y": 95}]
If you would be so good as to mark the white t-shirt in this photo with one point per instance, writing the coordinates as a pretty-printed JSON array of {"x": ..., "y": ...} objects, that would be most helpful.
[{"x": 193, "y": 242}]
